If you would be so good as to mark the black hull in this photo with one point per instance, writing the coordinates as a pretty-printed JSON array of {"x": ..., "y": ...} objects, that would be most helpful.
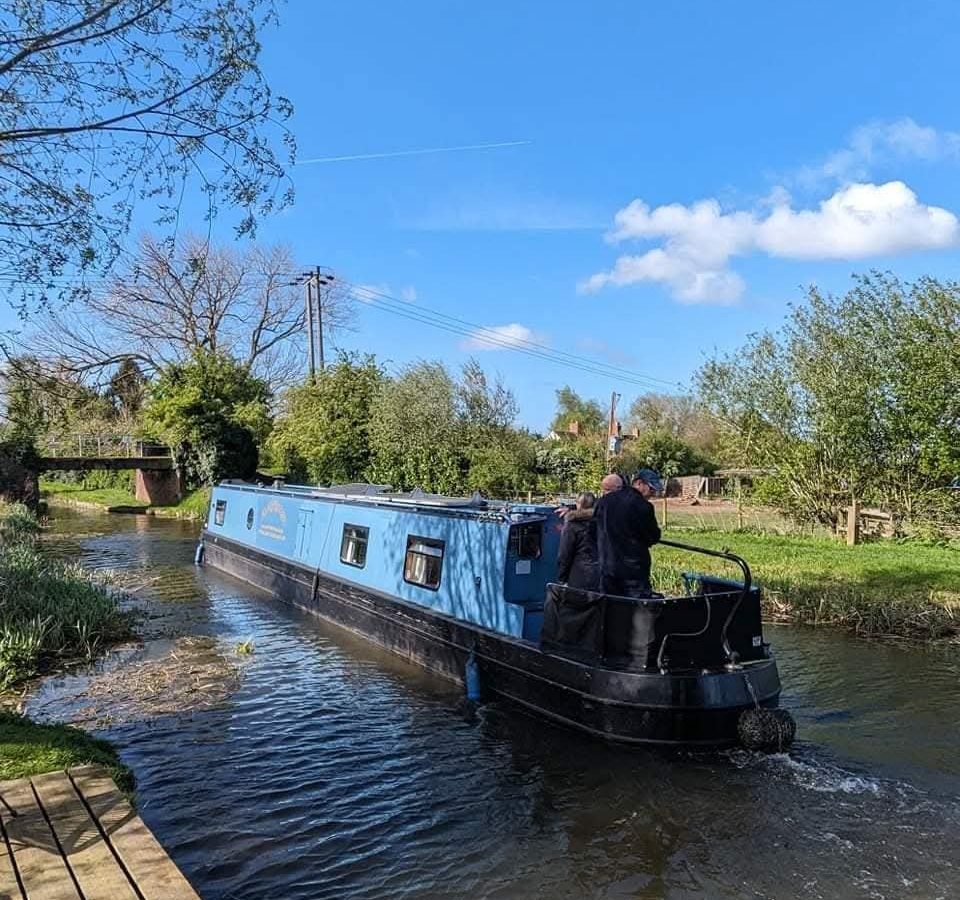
[{"x": 628, "y": 707}]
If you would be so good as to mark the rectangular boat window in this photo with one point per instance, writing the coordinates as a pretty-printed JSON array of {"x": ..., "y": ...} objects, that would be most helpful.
[
  {"x": 423, "y": 562},
  {"x": 353, "y": 545},
  {"x": 220, "y": 512},
  {"x": 525, "y": 540}
]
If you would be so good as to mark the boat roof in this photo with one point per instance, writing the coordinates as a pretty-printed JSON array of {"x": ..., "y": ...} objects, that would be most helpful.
[{"x": 384, "y": 495}]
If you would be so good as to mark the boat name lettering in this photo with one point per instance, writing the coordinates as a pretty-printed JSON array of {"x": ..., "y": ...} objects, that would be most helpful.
[{"x": 273, "y": 520}]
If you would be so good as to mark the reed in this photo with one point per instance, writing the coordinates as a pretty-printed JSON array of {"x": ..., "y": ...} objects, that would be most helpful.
[{"x": 50, "y": 611}]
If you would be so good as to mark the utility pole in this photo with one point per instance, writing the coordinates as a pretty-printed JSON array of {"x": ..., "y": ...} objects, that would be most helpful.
[
  {"x": 320, "y": 314},
  {"x": 314, "y": 281},
  {"x": 310, "y": 342},
  {"x": 613, "y": 432}
]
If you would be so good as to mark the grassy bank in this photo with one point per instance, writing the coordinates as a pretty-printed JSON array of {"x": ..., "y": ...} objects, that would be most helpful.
[
  {"x": 27, "y": 749},
  {"x": 882, "y": 588},
  {"x": 193, "y": 506},
  {"x": 49, "y": 611}
]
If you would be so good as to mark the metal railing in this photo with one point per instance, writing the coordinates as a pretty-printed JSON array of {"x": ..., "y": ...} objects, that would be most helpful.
[{"x": 103, "y": 446}]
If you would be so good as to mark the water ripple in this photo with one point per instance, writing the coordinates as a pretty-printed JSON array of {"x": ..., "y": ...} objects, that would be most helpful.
[{"x": 336, "y": 771}]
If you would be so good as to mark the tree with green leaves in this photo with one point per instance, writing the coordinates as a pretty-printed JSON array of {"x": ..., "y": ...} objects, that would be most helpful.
[
  {"x": 572, "y": 408},
  {"x": 679, "y": 415},
  {"x": 500, "y": 459},
  {"x": 855, "y": 397},
  {"x": 110, "y": 103},
  {"x": 322, "y": 433},
  {"x": 666, "y": 453},
  {"x": 213, "y": 413},
  {"x": 415, "y": 431}
]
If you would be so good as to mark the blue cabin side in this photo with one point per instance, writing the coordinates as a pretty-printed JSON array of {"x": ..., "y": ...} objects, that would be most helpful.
[{"x": 489, "y": 567}]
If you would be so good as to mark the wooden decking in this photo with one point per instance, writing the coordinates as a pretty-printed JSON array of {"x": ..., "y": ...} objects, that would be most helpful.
[{"x": 72, "y": 836}]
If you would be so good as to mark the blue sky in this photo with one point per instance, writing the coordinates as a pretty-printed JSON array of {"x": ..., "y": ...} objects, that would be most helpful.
[{"x": 823, "y": 137}]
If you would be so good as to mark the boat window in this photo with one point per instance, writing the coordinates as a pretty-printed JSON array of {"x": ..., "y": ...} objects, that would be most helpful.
[
  {"x": 250, "y": 518},
  {"x": 423, "y": 562},
  {"x": 525, "y": 540},
  {"x": 353, "y": 546},
  {"x": 220, "y": 512}
]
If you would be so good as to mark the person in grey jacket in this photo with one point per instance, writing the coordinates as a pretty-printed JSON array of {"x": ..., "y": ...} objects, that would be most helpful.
[{"x": 577, "y": 565}]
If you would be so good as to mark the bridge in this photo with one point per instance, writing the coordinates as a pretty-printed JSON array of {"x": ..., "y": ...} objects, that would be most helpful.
[{"x": 157, "y": 480}]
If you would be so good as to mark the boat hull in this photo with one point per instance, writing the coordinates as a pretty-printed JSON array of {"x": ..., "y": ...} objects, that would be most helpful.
[{"x": 622, "y": 706}]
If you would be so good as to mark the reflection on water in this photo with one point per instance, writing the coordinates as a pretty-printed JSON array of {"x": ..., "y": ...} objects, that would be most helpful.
[{"x": 336, "y": 771}]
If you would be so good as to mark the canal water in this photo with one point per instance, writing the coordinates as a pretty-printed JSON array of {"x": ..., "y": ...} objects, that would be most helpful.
[{"x": 326, "y": 769}]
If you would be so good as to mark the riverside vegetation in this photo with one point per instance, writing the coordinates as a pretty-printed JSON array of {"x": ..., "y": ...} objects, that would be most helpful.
[{"x": 50, "y": 613}]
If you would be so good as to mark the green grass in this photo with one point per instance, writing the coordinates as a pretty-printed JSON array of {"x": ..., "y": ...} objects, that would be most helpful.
[
  {"x": 27, "y": 749},
  {"x": 99, "y": 496},
  {"x": 194, "y": 505},
  {"x": 50, "y": 611},
  {"x": 906, "y": 589}
]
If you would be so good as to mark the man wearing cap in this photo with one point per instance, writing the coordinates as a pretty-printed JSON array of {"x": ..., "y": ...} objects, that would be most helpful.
[{"x": 626, "y": 529}]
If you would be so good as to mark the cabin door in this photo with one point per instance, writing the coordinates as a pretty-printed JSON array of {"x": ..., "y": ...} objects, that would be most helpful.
[{"x": 304, "y": 530}]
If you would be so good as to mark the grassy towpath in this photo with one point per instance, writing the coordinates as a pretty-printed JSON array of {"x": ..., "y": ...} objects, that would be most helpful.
[
  {"x": 193, "y": 506},
  {"x": 906, "y": 589}
]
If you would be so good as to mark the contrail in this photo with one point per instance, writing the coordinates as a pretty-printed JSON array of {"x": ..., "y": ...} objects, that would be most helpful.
[{"x": 421, "y": 152}]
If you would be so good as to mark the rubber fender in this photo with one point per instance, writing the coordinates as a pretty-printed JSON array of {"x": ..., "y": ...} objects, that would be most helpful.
[{"x": 767, "y": 730}]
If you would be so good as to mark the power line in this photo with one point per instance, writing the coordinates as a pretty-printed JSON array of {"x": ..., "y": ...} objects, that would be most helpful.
[{"x": 418, "y": 312}]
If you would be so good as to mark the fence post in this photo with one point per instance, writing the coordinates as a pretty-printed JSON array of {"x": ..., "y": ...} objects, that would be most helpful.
[
  {"x": 530, "y": 497},
  {"x": 853, "y": 523},
  {"x": 739, "y": 504}
]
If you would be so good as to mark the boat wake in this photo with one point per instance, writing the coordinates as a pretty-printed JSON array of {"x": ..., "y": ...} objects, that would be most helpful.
[{"x": 811, "y": 773}]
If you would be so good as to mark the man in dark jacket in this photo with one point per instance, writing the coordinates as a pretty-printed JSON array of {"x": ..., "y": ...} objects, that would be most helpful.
[
  {"x": 626, "y": 529},
  {"x": 577, "y": 557}
]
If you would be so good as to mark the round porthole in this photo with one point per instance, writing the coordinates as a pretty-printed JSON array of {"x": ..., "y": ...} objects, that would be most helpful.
[{"x": 250, "y": 518}]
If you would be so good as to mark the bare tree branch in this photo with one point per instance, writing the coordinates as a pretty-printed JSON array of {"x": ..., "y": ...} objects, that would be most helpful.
[
  {"x": 170, "y": 302},
  {"x": 106, "y": 105}
]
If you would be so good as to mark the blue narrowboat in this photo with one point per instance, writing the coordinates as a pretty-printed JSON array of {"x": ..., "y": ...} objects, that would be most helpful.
[{"x": 465, "y": 587}]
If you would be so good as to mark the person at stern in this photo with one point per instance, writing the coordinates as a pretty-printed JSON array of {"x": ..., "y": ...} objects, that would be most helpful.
[
  {"x": 626, "y": 530},
  {"x": 577, "y": 565}
]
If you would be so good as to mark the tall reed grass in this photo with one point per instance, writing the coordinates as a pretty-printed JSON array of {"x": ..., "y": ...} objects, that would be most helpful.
[{"x": 50, "y": 611}]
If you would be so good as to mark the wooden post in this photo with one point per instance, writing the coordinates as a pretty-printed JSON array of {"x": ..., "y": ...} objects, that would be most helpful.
[
  {"x": 530, "y": 497},
  {"x": 853, "y": 523},
  {"x": 663, "y": 507},
  {"x": 739, "y": 503}
]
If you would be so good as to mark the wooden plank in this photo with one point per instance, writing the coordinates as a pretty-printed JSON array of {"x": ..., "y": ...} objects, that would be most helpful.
[
  {"x": 156, "y": 876},
  {"x": 89, "y": 856},
  {"x": 9, "y": 886},
  {"x": 35, "y": 853}
]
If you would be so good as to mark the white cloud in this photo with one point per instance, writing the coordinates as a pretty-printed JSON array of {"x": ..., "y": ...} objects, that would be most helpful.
[
  {"x": 370, "y": 293},
  {"x": 698, "y": 241},
  {"x": 877, "y": 144},
  {"x": 500, "y": 337}
]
